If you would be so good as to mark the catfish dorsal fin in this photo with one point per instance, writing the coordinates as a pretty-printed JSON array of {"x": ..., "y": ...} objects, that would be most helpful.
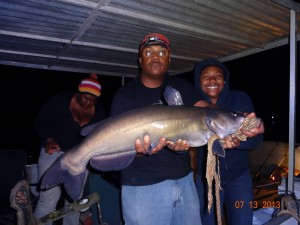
[{"x": 172, "y": 96}]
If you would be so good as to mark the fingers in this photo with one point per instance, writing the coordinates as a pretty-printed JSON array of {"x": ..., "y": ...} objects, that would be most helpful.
[
  {"x": 161, "y": 144},
  {"x": 52, "y": 148},
  {"x": 145, "y": 146},
  {"x": 250, "y": 133},
  {"x": 139, "y": 147},
  {"x": 146, "y": 143},
  {"x": 180, "y": 145},
  {"x": 230, "y": 142},
  {"x": 259, "y": 129},
  {"x": 254, "y": 127},
  {"x": 250, "y": 115},
  {"x": 142, "y": 147}
]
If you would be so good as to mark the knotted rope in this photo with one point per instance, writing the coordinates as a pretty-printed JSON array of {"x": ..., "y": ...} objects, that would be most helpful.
[
  {"x": 213, "y": 167},
  {"x": 212, "y": 174}
]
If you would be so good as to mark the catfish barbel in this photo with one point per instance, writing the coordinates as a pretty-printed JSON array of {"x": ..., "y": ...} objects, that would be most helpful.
[{"x": 110, "y": 144}]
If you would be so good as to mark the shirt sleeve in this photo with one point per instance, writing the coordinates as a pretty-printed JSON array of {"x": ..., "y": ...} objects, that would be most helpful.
[
  {"x": 51, "y": 113},
  {"x": 245, "y": 105}
]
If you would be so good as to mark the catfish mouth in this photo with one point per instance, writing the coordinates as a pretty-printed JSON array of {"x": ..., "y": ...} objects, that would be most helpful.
[
  {"x": 216, "y": 127},
  {"x": 210, "y": 123}
]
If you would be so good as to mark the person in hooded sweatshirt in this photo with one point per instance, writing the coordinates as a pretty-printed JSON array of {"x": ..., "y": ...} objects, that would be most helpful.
[{"x": 211, "y": 81}]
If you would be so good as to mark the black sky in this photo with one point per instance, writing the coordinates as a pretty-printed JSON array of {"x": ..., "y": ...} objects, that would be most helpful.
[{"x": 264, "y": 76}]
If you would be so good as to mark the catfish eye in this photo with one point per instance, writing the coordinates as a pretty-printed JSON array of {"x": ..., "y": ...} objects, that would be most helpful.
[
  {"x": 234, "y": 114},
  {"x": 237, "y": 114}
]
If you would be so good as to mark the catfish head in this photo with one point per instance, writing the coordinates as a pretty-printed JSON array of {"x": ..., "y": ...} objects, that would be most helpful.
[{"x": 223, "y": 122}]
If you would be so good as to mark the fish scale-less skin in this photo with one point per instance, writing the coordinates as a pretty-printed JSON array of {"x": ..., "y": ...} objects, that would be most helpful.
[
  {"x": 110, "y": 143},
  {"x": 121, "y": 132}
]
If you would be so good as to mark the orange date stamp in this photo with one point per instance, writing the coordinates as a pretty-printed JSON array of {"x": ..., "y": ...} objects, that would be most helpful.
[{"x": 257, "y": 204}]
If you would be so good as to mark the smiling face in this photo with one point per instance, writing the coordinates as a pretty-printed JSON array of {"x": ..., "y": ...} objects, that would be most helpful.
[{"x": 212, "y": 82}]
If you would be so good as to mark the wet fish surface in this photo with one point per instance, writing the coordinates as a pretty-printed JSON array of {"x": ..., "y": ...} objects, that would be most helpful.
[{"x": 109, "y": 144}]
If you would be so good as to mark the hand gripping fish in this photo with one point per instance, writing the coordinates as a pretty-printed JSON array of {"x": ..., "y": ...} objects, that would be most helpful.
[{"x": 110, "y": 143}]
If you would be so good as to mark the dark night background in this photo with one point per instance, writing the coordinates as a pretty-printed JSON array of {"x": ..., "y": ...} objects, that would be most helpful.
[{"x": 264, "y": 76}]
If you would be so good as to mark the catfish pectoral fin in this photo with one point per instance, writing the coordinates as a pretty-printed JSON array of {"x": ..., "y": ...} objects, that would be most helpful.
[
  {"x": 116, "y": 161},
  {"x": 218, "y": 149},
  {"x": 56, "y": 174},
  {"x": 74, "y": 184},
  {"x": 53, "y": 176}
]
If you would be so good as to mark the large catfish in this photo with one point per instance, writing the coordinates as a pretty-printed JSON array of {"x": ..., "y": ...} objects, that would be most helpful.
[{"x": 110, "y": 144}]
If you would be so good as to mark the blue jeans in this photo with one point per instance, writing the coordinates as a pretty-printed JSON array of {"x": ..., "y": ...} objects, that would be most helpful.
[
  {"x": 171, "y": 202},
  {"x": 48, "y": 199},
  {"x": 236, "y": 196}
]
